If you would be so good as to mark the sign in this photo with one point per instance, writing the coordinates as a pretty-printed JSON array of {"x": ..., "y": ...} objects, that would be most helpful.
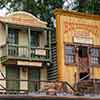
[
  {"x": 83, "y": 40},
  {"x": 69, "y": 26},
  {"x": 40, "y": 52},
  {"x": 27, "y": 63}
]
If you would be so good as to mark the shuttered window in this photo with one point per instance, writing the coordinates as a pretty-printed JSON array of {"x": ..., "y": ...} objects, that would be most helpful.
[
  {"x": 69, "y": 54},
  {"x": 94, "y": 56}
]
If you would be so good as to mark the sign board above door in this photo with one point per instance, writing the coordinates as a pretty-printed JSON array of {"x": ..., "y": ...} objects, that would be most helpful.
[{"x": 83, "y": 40}]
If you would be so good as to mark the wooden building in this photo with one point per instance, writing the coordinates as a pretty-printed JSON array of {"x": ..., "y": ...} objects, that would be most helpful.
[
  {"x": 24, "y": 50},
  {"x": 78, "y": 46}
]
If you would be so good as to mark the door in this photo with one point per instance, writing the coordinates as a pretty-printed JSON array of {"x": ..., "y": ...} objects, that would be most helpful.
[
  {"x": 34, "y": 74},
  {"x": 12, "y": 72},
  {"x": 83, "y": 62}
]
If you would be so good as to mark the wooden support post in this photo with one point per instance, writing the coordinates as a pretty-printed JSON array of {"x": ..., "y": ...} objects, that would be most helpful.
[
  {"x": 29, "y": 43},
  {"x": 6, "y": 28}
]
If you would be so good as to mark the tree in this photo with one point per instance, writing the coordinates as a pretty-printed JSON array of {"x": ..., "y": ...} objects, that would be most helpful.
[
  {"x": 88, "y": 6},
  {"x": 40, "y": 8}
]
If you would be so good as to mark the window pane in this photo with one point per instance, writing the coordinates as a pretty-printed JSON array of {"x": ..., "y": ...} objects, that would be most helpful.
[
  {"x": 69, "y": 54},
  {"x": 94, "y": 54},
  {"x": 34, "y": 39},
  {"x": 69, "y": 50},
  {"x": 12, "y": 36},
  {"x": 94, "y": 60}
]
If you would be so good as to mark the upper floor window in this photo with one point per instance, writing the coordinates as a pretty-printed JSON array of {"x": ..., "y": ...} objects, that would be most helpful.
[
  {"x": 94, "y": 55},
  {"x": 34, "y": 39},
  {"x": 69, "y": 54},
  {"x": 12, "y": 36}
]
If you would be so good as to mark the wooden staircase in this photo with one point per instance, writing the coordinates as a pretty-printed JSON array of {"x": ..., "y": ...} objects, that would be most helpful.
[
  {"x": 3, "y": 59},
  {"x": 86, "y": 87}
]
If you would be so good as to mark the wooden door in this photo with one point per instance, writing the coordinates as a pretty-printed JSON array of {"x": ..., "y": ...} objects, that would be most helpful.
[
  {"x": 12, "y": 73},
  {"x": 34, "y": 74}
]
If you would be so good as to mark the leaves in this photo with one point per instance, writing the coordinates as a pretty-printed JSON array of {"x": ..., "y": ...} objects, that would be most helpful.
[{"x": 40, "y": 8}]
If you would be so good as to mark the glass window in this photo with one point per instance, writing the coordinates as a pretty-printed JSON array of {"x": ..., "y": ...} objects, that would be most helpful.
[
  {"x": 12, "y": 39},
  {"x": 34, "y": 39},
  {"x": 94, "y": 55},
  {"x": 69, "y": 54},
  {"x": 12, "y": 36}
]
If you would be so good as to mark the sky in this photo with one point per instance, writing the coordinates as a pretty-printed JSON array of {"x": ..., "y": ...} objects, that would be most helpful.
[{"x": 3, "y": 11}]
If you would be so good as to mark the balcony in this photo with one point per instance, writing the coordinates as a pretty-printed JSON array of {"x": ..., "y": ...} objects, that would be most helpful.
[{"x": 17, "y": 52}]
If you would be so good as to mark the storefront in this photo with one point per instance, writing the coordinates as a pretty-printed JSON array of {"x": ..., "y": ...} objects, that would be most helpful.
[
  {"x": 24, "y": 51},
  {"x": 78, "y": 46}
]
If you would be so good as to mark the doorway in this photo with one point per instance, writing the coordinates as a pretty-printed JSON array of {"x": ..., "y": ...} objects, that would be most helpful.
[
  {"x": 33, "y": 74},
  {"x": 83, "y": 62},
  {"x": 12, "y": 74}
]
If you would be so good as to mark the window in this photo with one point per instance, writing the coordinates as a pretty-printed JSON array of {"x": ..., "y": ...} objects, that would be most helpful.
[
  {"x": 82, "y": 51},
  {"x": 94, "y": 55},
  {"x": 34, "y": 39},
  {"x": 12, "y": 36},
  {"x": 69, "y": 55},
  {"x": 12, "y": 39},
  {"x": 84, "y": 76}
]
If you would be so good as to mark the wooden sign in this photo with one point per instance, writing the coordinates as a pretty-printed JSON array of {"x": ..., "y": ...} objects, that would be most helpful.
[
  {"x": 27, "y": 63},
  {"x": 83, "y": 40},
  {"x": 40, "y": 52}
]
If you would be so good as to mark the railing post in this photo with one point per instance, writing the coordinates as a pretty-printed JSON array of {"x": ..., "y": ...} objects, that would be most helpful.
[
  {"x": 29, "y": 41},
  {"x": 6, "y": 28},
  {"x": 49, "y": 45}
]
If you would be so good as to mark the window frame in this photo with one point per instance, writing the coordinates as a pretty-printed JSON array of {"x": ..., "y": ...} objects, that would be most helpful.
[
  {"x": 12, "y": 36},
  {"x": 37, "y": 40},
  {"x": 94, "y": 57},
  {"x": 69, "y": 55}
]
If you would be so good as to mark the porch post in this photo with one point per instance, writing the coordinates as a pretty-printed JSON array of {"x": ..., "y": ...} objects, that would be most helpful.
[
  {"x": 29, "y": 41},
  {"x": 6, "y": 29},
  {"x": 49, "y": 44}
]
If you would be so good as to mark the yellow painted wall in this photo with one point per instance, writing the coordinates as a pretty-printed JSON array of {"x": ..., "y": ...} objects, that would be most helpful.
[
  {"x": 68, "y": 26},
  {"x": 83, "y": 31},
  {"x": 60, "y": 51}
]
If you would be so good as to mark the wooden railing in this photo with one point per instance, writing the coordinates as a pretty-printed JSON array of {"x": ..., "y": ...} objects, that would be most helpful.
[
  {"x": 15, "y": 51},
  {"x": 39, "y": 87}
]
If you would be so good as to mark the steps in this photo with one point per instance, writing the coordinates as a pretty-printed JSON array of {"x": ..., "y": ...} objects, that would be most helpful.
[
  {"x": 3, "y": 59},
  {"x": 86, "y": 87}
]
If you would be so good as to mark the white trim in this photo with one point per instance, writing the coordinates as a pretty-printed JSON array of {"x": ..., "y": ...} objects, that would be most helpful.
[{"x": 26, "y": 13}]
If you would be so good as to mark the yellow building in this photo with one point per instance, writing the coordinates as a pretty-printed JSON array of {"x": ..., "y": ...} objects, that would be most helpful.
[
  {"x": 24, "y": 50},
  {"x": 78, "y": 46}
]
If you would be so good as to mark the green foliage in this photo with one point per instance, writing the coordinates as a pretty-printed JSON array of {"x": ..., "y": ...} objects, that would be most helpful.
[
  {"x": 40, "y": 8},
  {"x": 88, "y": 6}
]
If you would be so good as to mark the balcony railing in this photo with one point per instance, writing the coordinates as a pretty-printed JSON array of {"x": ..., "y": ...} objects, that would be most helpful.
[{"x": 15, "y": 51}]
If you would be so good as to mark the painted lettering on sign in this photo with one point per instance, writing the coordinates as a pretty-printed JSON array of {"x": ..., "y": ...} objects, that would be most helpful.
[
  {"x": 83, "y": 40},
  {"x": 68, "y": 26},
  {"x": 26, "y": 63}
]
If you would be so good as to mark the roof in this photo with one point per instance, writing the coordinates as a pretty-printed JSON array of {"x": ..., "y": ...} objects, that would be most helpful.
[
  {"x": 23, "y": 18},
  {"x": 76, "y": 14}
]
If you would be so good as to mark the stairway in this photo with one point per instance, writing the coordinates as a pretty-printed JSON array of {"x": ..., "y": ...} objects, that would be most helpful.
[
  {"x": 3, "y": 59},
  {"x": 52, "y": 70},
  {"x": 86, "y": 87}
]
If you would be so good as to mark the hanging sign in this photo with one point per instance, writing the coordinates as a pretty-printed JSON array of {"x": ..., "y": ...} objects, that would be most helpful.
[{"x": 27, "y": 63}]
